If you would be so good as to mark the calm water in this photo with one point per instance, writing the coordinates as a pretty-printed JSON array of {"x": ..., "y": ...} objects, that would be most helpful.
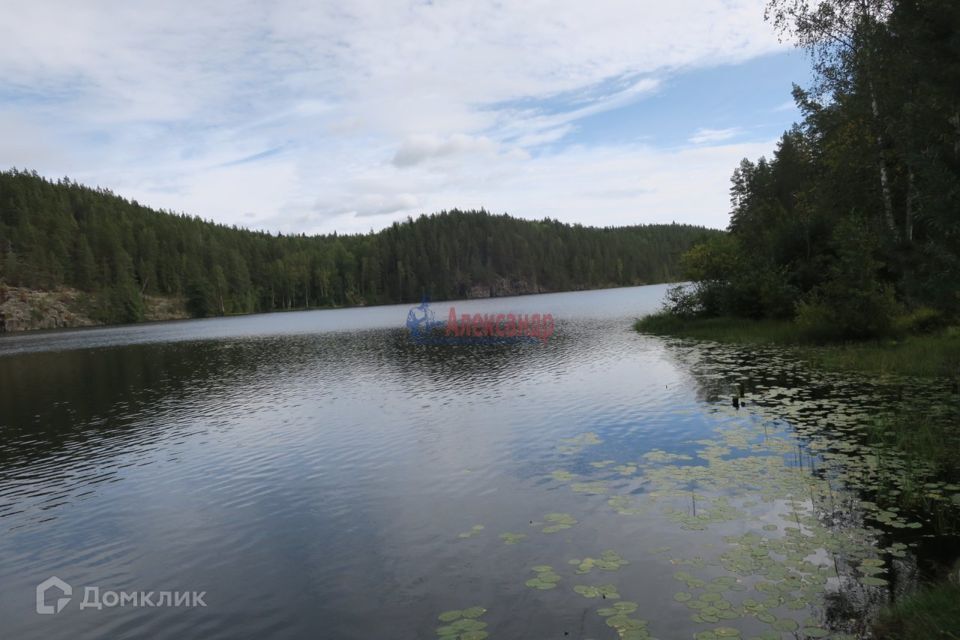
[{"x": 318, "y": 475}]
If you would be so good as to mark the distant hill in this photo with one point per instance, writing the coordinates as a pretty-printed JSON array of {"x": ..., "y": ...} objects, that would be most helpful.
[{"x": 118, "y": 253}]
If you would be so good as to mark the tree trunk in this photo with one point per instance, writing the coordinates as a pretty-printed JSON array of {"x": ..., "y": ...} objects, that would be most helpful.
[
  {"x": 955, "y": 121},
  {"x": 884, "y": 173},
  {"x": 911, "y": 201}
]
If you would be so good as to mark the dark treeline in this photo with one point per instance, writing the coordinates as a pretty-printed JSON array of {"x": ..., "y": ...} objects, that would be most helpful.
[
  {"x": 854, "y": 224},
  {"x": 64, "y": 234}
]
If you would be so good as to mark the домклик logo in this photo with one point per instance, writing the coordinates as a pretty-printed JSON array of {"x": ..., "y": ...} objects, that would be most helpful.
[{"x": 53, "y": 582}]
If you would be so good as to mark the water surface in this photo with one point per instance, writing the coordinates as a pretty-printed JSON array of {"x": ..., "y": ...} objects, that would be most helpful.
[{"x": 319, "y": 475}]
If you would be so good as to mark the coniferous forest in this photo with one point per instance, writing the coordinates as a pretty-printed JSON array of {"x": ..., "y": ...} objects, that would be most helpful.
[
  {"x": 55, "y": 234},
  {"x": 854, "y": 224}
]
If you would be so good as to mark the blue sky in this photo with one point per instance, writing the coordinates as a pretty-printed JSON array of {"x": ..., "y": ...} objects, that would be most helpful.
[
  {"x": 320, "y": 116},
  {"x": 749, "y": 100}
]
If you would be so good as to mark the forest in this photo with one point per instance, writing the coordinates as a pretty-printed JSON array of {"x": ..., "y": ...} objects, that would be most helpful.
[
  {"x": 62, "y": 234},
  {"x": 852, "y": 228}
]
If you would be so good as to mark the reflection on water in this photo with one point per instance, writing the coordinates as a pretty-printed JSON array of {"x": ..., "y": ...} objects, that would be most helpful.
[{"x": 318, "y": 474}]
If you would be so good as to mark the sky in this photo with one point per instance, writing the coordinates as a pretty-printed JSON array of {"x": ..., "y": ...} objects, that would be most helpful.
[{"x": 309, "y": 116}]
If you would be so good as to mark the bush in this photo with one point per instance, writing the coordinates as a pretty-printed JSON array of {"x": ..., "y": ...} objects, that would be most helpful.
[
  {"x": 684, "y": 301},
  {"x": 852, "y": 303},
  {"x": 839, "y": 313},
  {"x": 760, "y": 291},
  {"x": 814, "y": 322},
  {"x": 730, "y": 281},
  {"x": 922, "y": 320},
  {"x": 715, "y": 259}
]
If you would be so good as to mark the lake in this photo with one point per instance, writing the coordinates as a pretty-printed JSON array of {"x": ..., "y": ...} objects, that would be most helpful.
[{"x": 318, "y": 474}]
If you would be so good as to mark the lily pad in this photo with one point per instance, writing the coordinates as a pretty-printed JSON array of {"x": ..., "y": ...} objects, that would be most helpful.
[
  {"x": 512, "y": 538},
  {"x": 786, "y": 625},
  {"x": 450, "y": 616}
]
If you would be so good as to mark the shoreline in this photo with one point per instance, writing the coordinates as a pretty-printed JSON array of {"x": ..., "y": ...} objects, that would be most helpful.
[
  {"x": 935, "y": 356},
  {"x": 70, "y": 305},
  {"x": 932, "y": 354}
]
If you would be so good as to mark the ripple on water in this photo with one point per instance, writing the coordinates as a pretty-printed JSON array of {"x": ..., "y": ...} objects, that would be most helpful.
[{"x": 316, "y": 480}]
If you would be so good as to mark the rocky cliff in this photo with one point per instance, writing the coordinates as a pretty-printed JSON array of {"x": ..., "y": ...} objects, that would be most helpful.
[{"x": 30, "y": 309}]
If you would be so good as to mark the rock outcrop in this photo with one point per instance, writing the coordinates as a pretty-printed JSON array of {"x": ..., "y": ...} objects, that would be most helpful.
[
  {"x": 30, "y": 309},
  {"x": 27, "y": 309},
  {"x": 503, "y": 287}
]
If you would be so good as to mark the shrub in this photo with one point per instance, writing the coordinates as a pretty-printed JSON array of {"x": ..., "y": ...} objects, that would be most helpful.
[
  {"x": 684, "y": 301},
  {"x": 841, "y": 313},
  {"x": 730, "y": 281},
  {"x": 759, "y": 291},
  {"x": 852, "y": 303},
  {"x": 715, "y": 259},
  {"x": 814, "y": 321},
  {"x": 922, "y": 320}
]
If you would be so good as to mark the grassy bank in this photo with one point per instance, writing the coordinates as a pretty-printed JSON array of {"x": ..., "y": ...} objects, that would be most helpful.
[
  {"x": 916, "y": 430},
  {"x": 931, "y": 614},
  {"x": 917, "y": 355},
  {"x": 735, "y": 330},
  {"x": 929, "y": 356}
]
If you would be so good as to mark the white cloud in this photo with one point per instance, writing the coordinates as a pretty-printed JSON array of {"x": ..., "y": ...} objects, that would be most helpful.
[
  {"x": 311, "y": 116},
  {"x": 709, "y": 136},
  {"x": 378, "y": 204},
  {"x": 615, "y": 185},
  {"x": 611, "y": 185},
  {"x": 26, "y": 143},
  {"x": 421, "y": 148},
  {"x": 528, "y": 127}
]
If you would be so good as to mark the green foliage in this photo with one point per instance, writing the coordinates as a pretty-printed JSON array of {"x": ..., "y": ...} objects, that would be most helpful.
[
  {"x": 117, "y": 304},
  {"x": 852, "y": 302},
  {"x": 728, "y": 279},
  {"x": 866, "y": 315},
  {"x": 929, "y": 436},
  {"x": 931, "y": 613},
  {"x": 84, "y": 265},
  {"x": 935, "y": 355},
  {"x": 721, "y": 329},
  {"x": 815, "y": 321},
  {"x": 854, "y": 217},
  {"x": 923, "y": 355},
  {"x": 200, "y": 303},
  {"x": 759, "y": 292},
  {"x": 61, "y": 233},
  {"x": 9, "y": 271},
  {"x": 717, "y": 259},
  {"x": 683, "y": 302},
  {"x": 922, "y": 320}
]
